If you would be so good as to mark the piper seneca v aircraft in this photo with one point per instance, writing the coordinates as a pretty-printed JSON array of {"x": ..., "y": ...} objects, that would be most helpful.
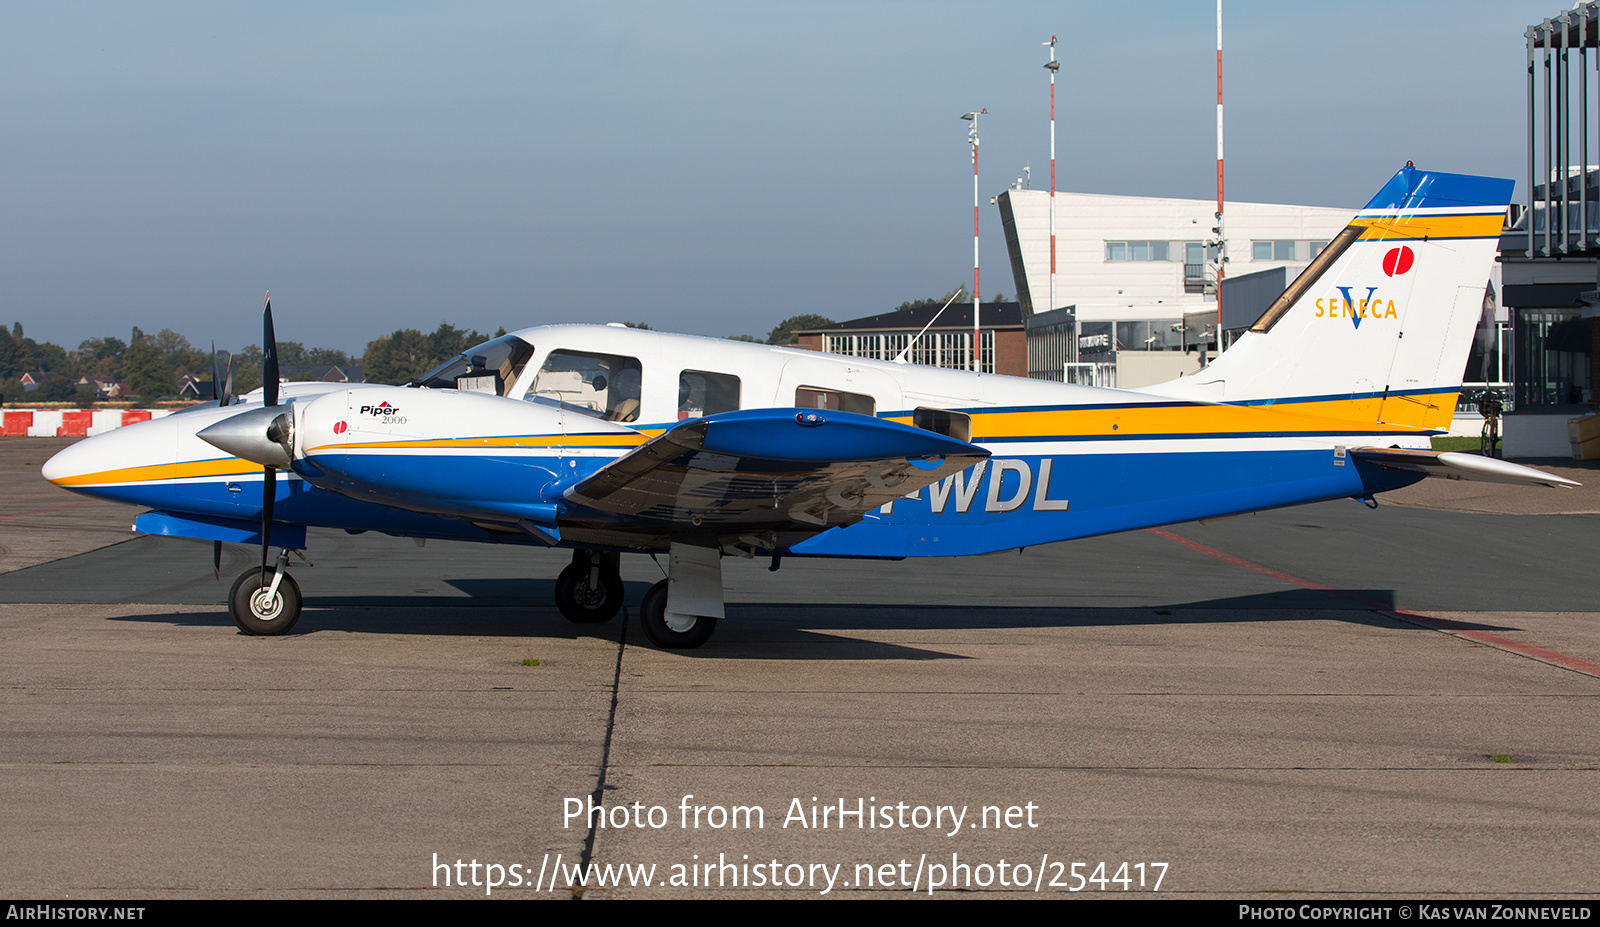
[{"x": 607, "y": 440}]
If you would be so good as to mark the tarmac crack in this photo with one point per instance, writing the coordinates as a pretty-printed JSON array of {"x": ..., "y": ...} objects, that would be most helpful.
[{"x": 597, "y": 797}]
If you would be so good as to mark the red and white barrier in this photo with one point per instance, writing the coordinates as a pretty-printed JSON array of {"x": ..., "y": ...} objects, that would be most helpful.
[{"x": 70, "y": 423}]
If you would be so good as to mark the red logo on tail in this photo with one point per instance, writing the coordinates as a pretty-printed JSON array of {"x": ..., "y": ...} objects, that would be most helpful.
[{"x": 1398, "y": 261}]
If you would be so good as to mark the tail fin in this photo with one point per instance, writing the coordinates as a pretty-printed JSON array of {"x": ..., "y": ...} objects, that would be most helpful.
[{"x": 1378, "y": 327}]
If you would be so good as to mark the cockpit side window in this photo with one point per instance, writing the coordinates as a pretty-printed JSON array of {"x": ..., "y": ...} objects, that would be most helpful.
[
  {"x": 492, "y": 367},
  {"x": 603, "y": 385}
]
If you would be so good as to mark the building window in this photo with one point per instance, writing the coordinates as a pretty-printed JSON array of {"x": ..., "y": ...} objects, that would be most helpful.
[
  {"x": 1272, "y": 251},
  {"x": 1316, "y": 248},
  {"x": 874, "y": 345},
  {"x": 1552, "y": 349},
  {"x": 1138, "y": 250},
  {"x": 947, "y": 349},
  {"x": 1163, "y": 335}
]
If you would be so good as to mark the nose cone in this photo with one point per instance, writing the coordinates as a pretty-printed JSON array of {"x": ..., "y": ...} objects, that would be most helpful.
[
  {"x": 113, "y": 459},
  {"x": 69, "y": 462}
]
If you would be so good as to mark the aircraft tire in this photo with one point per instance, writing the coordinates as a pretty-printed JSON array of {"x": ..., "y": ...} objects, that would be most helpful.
[
  {"x": 583, "y": 605},
  {"x": 653, "y": 618},
  {"x": 264, "y": 620}
]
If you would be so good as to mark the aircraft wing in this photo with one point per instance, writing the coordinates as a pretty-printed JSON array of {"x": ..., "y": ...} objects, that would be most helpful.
[
  {"x": 1456, "y": 465},
  {"x": 805, "y": 469}
]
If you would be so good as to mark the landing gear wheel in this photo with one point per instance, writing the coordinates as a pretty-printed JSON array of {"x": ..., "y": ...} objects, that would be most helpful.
[
  {"x": 677, "y": 633},
  {"x": 584, "y": 602},
  {"x": 254, "y": 613}
]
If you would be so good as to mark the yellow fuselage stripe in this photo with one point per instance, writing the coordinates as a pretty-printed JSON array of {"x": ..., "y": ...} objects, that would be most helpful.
[
  {"x": 1474, "y": 226},
  {"x": 189, "y": 469},
  {"x": 1403, "y": 414}
]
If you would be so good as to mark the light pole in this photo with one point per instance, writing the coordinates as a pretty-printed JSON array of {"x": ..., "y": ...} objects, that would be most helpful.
[
  {"x": 977, "y": 335},
  {"x": 1052, "y": 67}
]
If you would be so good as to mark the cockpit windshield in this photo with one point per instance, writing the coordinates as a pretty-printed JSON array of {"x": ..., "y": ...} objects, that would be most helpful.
[{"x": 492, "y": 367}]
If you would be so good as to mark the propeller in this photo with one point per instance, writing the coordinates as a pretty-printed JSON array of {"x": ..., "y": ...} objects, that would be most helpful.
[
  {"x": 264, "y": 436},
  {"x": 269, "y": 395}
]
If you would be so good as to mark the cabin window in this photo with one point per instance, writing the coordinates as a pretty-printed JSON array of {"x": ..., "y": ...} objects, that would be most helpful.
[
  {"x": 603, "y": 385},
  {"x": 816, "y": 397},
  {"x": 492, "y": 367},
  {"x": 703, "y": 393},
  {"x": 956, "y": 425}
]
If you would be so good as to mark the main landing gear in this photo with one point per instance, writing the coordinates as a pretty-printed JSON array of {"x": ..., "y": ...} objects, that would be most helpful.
[
  {"x": 589, "y": 590},
  {"x": 681, "y": 611},
  {"x": 265, "y": 602}
]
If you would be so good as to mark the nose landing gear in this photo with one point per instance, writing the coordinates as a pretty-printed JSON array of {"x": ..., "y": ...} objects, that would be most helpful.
[{"x": 266, "y": 602}]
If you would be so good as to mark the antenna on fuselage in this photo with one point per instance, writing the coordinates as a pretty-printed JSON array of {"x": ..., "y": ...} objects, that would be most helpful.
[{"x": 901, "y": 357}]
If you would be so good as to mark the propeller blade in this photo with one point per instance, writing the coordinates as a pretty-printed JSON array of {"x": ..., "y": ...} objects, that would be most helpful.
[
  {"x": 227, "y": 386},
  {"x": 269, "y": 495},
  {"x": 216, "y": 378},
  {"x": 269, "y": 357},
  {"x": 216, "y": 559}
]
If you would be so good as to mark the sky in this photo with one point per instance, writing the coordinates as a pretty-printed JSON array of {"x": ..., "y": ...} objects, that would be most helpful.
[{"x": 710, "y": 168}]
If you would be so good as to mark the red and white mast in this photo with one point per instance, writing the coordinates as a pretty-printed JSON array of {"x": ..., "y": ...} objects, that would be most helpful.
[
  {"x": 1053, "y": 66},
  {"x": 977, "y": 336},
  {"x": 1222, "y": 248}
]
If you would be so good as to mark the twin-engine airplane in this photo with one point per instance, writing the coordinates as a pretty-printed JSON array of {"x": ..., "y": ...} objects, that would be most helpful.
[{"x": 608, "y": 440}]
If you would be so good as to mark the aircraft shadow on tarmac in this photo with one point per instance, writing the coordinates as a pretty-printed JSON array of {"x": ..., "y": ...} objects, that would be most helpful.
[
  {"x": 398, "y": 589},
  {"x": 791, "y": 630}
]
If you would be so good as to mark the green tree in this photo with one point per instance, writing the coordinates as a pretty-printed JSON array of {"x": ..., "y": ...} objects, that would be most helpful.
[
  {"x": 246, "y": 369},
  {"x": 935, "y": 301},
  {"x": 292, "y": 352},
  {"x": 54, "y": 389},
  {"x": 785, "y": 332},
  {"x": 148, "y": 375},
  {"x": 397, "y": 358},
  {"x": 49, "y": 356},
  {"x": 327, "y": 356},
  {"x": 101, "y": 358},
  {"x": 8, "y": 356}
]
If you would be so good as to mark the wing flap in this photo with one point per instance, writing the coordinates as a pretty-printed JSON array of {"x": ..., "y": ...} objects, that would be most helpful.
[
  {"x": 1455, "y": 465},
  {"x": 795, "y": 469}
]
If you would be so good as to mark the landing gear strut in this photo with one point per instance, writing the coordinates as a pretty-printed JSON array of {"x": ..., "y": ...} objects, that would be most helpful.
[
  {"x": 265, "y": 602},
  {"x": 681, "y": 611},
  {"x": 589, "y": 590}
]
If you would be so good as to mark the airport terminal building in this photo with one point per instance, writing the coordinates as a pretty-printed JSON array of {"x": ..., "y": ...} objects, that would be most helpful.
[{"x": 1139, "y": 276}]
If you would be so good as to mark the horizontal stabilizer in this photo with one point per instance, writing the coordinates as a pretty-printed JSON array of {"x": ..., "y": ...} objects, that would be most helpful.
[
  {"x": 806, "y": 469},
  {"x": 1455, "y": 465}
]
